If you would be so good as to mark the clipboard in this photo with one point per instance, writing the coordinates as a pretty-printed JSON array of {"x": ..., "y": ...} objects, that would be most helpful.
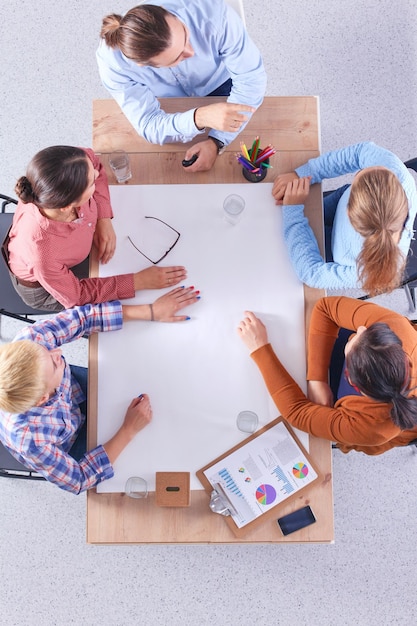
[{"x": 269, "y": 468}]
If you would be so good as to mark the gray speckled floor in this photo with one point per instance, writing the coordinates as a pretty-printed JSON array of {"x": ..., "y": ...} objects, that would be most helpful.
[{"x": 360, "y": 58}]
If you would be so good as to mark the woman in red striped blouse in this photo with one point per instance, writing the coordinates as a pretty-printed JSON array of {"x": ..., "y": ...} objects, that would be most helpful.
[{"x": 64, "y": 207}]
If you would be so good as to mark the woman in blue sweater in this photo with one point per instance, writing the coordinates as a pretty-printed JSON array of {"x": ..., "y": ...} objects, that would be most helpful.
[{"x": 369, "y": 224}]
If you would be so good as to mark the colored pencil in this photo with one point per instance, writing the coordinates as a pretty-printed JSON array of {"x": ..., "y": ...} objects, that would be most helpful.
[
  {"x": 245, "y": 151},
  {"x": 248, "y": 164}
]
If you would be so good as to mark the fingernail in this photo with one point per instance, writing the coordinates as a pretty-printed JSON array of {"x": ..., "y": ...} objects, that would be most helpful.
[
  {"x": 198, "y": 297},
  {"x": 187, "y": 318},
  {"x": 198, "y": 291},
  {"x": 192, "y": 287},
  {"x": 140, "y": 396},
  {"x": 182, "y": 287}
]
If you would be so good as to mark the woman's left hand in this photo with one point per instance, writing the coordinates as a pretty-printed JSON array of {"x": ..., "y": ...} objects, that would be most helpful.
[
  {"x": 296, "y": 191},
  {"x": 252, "y": 332},
  {"x": 105, "y": 239},
  {"x": 166, "y": 307}
]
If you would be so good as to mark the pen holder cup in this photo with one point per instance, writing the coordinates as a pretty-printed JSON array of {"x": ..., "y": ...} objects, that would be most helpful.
[{"x": 255, "y": 177}]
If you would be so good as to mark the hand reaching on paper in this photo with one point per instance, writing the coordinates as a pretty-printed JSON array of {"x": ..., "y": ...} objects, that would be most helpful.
[
  {"x": 138, "y": 414},
  {"x": 297, "y": 191},
  {"x": 280, "y": 185},
  {"x": 206, "y": 152},
  {"x": 319, "y": 392},
  {"x": 252, "y": 332},
  {"x": 166, "y": 307},
  {"x": 159, "y": 277},
  {"x": 226, "y": 116}
]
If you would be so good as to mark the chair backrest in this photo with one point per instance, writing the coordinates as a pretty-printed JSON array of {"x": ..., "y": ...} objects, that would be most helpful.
[
  {"x": 11, "y": 303},
  {"x": 11, "y": 468},
  {"x": 410, "y": 274},
  {"x": 411, "y": 164},
  {"x": 6, "y": 201}
]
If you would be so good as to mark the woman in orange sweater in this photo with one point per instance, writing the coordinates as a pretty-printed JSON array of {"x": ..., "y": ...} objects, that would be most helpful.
[{"x": 378, "y": 408}]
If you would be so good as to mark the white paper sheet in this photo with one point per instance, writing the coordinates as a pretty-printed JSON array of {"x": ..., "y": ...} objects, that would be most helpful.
[{"x": 198, "y": 373}]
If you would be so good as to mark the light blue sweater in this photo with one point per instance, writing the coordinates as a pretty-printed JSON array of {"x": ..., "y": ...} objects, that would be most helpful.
[{"x": 346, "y": 242}]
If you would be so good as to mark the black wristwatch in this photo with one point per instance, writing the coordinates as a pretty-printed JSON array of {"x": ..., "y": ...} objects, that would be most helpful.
[{"x": 220, "y": 145}]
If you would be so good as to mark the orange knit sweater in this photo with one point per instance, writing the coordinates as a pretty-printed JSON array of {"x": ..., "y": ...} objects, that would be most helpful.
[{"x": 355, "y": 422}]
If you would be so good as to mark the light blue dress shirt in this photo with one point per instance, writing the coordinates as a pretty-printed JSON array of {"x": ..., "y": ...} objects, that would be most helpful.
[
  {"x": 222, "y": 50},
  {"x": 347, "y": 243}
]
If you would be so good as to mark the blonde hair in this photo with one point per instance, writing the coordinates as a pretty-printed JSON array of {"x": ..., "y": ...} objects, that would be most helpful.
[
  {"x": 378, "y": 209},
  {"x": 22, "y": 384}
]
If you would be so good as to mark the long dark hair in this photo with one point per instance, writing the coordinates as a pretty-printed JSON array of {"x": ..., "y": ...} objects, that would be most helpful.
[
  {"x": 56, "y": 177},
  {"x": 142, "y": 33},
  {"x": 379, "y": 367}
]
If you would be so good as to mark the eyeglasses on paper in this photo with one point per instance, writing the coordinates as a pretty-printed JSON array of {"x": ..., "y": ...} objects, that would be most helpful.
[{"x": 149, "y": 217}]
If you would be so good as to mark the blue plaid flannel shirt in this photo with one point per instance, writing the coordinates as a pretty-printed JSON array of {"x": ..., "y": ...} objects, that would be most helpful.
[{"x": 42, "y": 437}]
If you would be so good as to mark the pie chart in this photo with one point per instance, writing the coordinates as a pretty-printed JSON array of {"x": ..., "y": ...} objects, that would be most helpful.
[
  {"x": 300, "y": 470},
  {"x": 266, "y": 494}
]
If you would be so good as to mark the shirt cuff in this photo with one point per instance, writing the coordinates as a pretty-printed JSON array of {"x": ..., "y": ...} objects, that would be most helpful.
[
  {"x": 99, "y": 464},
  {"x": 303, "y": 171}
]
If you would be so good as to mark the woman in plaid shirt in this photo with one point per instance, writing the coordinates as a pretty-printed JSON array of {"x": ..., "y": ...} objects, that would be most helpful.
[{"x": 40, "y": 416}]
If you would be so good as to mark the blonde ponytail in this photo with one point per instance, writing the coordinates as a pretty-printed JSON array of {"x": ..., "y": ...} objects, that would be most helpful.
[{"x": 378, "y": 209}]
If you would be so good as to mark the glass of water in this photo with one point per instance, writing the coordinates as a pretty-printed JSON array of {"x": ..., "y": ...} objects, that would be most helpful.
[
  {"x": 247, "y": 421},
  {"x": 120, "y": 165},
  {"x": 136, "y": 487},
  {"x": 233, "y": 206}
]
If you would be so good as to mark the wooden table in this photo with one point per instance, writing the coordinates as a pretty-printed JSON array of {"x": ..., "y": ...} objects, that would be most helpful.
[{"x": 291, "y": 124}]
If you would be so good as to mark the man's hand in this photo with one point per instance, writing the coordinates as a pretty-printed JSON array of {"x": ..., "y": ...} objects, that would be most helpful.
[
  {"x": 252, "y": 332},
  {"x": 105, "y": 239},
  {"x": 224, "y": 116},
  {"x": 280, "y": 185},
  {"x": 159, "y": 277},
  {"x": 206, "y": 152},
  {"x": 297, "y": 191}
]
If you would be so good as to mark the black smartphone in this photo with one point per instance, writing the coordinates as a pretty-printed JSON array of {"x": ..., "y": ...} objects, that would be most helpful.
[
  {"x": 187, "y": 163},
  {"x": 296, "y": 520}
]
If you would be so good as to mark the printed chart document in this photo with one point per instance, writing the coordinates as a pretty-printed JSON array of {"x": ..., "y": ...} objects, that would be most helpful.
[{"x": 261, "y": 473}]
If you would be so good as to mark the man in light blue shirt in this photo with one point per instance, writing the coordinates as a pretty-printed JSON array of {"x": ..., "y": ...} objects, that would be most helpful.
[{"x": 187, "y": 48}]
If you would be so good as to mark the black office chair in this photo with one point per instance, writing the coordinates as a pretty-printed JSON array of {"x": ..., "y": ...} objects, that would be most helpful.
[
  {"x": 11, "y": 304},
  {"x": 409, "y": 282},
  {"x": 11, "y": 468}
]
